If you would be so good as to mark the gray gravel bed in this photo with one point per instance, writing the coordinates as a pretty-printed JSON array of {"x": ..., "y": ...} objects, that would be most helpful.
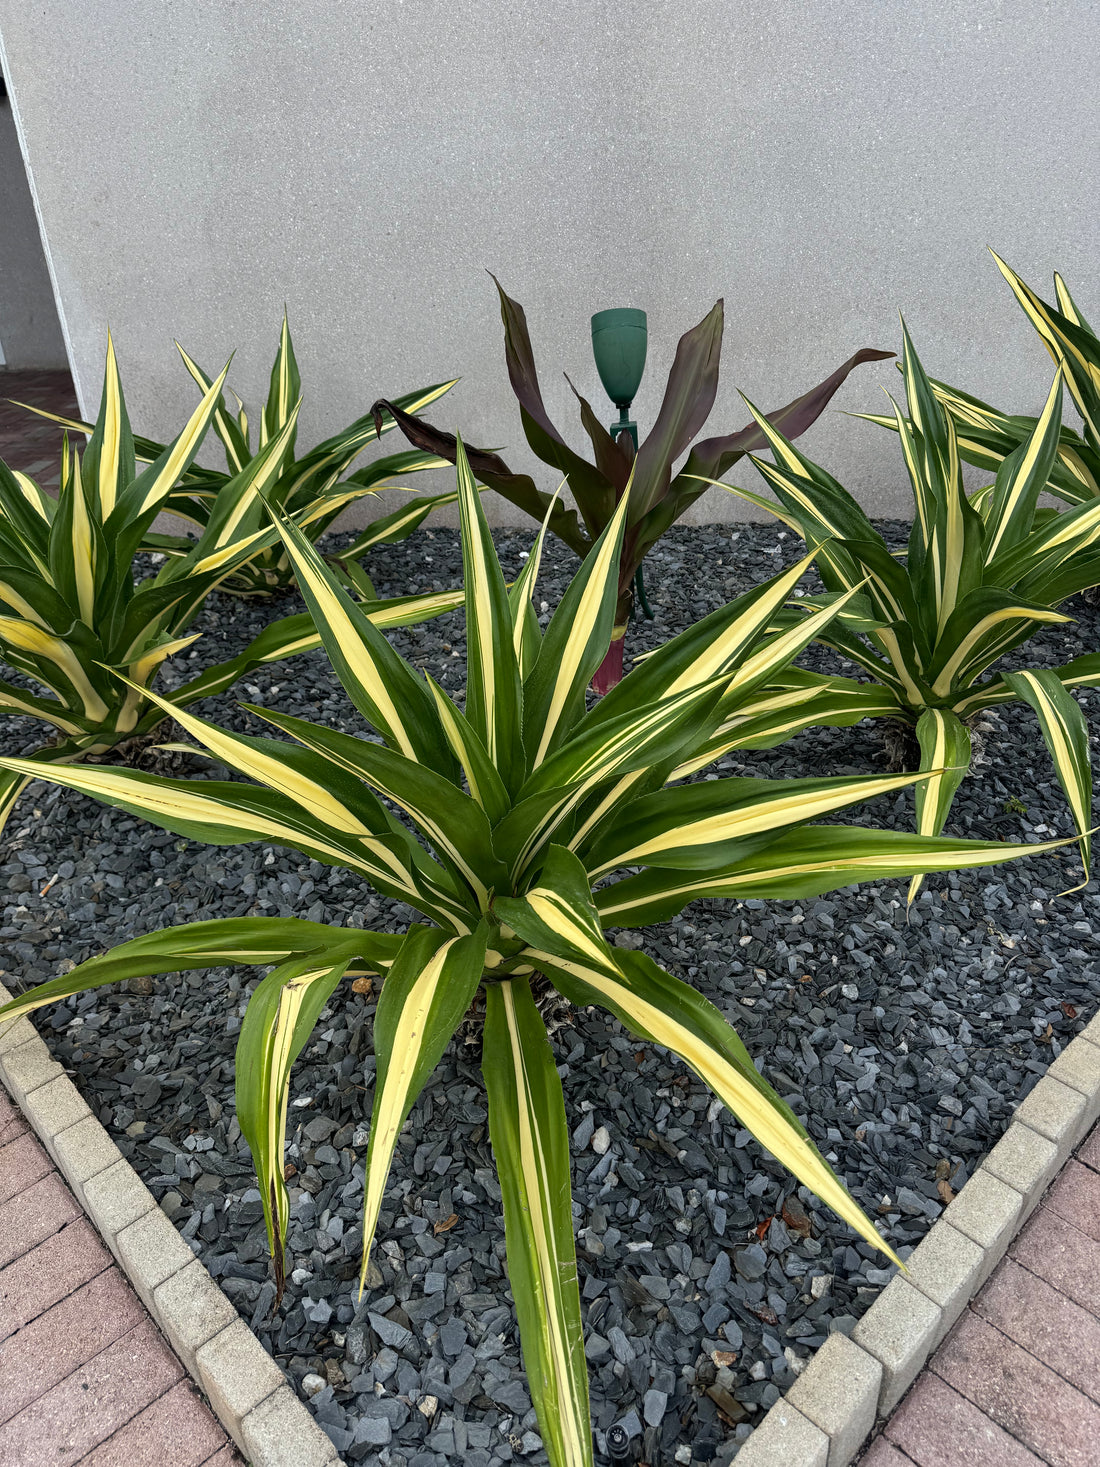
[{"x": 707, "y": 1279}]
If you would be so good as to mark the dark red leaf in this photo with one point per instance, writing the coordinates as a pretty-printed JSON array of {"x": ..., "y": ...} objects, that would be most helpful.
[{"x": 689, "y": 397}]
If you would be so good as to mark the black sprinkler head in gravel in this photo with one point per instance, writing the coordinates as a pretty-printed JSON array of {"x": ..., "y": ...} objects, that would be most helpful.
[{"x": 619, "y": 1450}]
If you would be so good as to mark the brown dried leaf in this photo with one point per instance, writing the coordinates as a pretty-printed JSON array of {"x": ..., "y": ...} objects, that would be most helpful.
[
  {"x": 446, "y": 1225},
  {"x": 946, "y": 1191},
  {"x": 796, "y": 1217}
]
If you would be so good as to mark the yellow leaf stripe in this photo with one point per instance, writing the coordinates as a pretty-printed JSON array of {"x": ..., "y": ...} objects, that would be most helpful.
[
  {"x": 267, "y": 770},
  {"x": 83, "y": 546},
  {"x": 39, "y": 643},
  {"x": 391, "y": 1102},
  {"x": 110, "y": 448},
  {"x": 584, "y": 622},
  {"x": 185, "y": 445},
  {"x": 202, "y": 810},
  {"x": 1076, "y": 779},
  {"x": 537, "y": 1186},
  {"x": 357, "y": 656},
  {"x": 722, "y": 651},
  {"x": 978, "y": 633},
  {"x": 701, "y": 886},
  {"x": 1027, "y": 464},
  {"x": 750, "y": 820},
  {"x": 278, "y": 1062},
  {"x": 740, "y": 1095},
  {"x": 220, "y": 417}
]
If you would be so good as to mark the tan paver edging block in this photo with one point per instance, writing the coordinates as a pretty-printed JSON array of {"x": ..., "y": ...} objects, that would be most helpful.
[
  {"x": 245, "y": 1388},
  {"x": 827, "y": 1415}
]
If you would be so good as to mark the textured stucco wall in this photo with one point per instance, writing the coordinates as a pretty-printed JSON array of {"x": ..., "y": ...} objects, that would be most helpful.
[
  {"x": 198, "y": 163},
  {"x": 29, "y": 331}
]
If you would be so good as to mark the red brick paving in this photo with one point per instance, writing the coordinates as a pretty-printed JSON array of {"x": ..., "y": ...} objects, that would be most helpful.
[
  {"x": 1075, "y": 1196},
  {"x": 28, "y": 442},
  {"x": 1058, "y": 1332},
  {"x": 1017, "y": 1381},
  {"x": 22, "y": 1163},
  {"x": 42, "y": 1277},
  {"x": 12, "y": 1123},
  {"x": 1059, "y": 1252},
  {"x": 63, "y": 1339},
  {"x": 34, "y": 1216},
  {"x": 1058, "y": 1422},
  {"x": 884, "y": 1454},
  {"x": 176, "y": 1428},
  {"x": 86, "y": 1380},
  {"x": 937, "y": 1427}
]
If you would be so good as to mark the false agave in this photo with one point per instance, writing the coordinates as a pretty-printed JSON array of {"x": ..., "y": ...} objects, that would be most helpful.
[
  {"x": 75, "y": 609},
  {"x": 310, "y": 488},
  {"x": 981, "y": 575},
  {"x": 986, "y": 436},
  {"x": 529, "y": 825},
  {"x": 658, "y": 496}
]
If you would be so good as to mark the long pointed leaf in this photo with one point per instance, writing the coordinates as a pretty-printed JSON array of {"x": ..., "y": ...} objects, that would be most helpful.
[
  {"x": 427, "y": 990},
  {"x": 1066, "y": 733},
  {"x": 944, "y": 748},
  {"x": 280, "y": 1017},
  {"x": 531, "y": 1147}
]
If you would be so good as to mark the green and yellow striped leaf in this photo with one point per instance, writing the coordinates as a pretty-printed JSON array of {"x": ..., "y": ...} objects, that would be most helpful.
[
  {"x": 803, "y": 863},
  {"x": 484, "y": 783},
  {"x": 109, "y": 456},
  {"x": 252, "y": 942},
  {"x": 1022, "y": 477},
  {"x": 1070, "y": 344},
  {"x": 449, "y": 819},
  {"x": 945, "y": 755},
  {"x": 232, "y": 814},
  {"x": 699, "y": 827},
  {"x": 147, "y": 492},
  {"x": 428, "y": 989},
  {"x": 383, "y": 687},
  {"x": 574, "y": 644},
  {"x": 1066, "y": 733},
  {"x": 494, "y": 696},
  {"x": 285, "y": 388},
  {"x": 526, "y": 632},
  {"x": 530, "y": 1141},
  {"x": 280, "y": 1017}
]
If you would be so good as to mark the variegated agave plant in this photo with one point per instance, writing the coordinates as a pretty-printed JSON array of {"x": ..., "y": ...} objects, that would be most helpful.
[
  {"x": 310, "y": 488},
  {"x": 538, "y": 824},
  {"x": 987, "y": 436},
  {"x": 74, "y": 610},
  {"x": 980, "y": 576}
]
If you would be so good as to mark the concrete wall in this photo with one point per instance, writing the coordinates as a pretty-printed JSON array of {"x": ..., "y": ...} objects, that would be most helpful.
[
  {"x": 30, "y": 335},
  {"x": 199, "y": 163}
]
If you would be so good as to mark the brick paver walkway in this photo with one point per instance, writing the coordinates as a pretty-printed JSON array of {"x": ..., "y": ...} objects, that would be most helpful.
[
  {"x": 29, "y": 443},
  {"x": 85, "y": 1376},
  {"x": 1017, "y": 1381}
]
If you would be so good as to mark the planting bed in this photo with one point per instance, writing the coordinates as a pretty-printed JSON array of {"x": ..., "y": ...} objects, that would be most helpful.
[{"x": 707, "y": 1280}]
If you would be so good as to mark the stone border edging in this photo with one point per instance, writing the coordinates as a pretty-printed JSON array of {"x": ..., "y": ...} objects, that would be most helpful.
[
  {"x": 245, "y": 1387},
  {"x": 828, "y": 1413}
]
